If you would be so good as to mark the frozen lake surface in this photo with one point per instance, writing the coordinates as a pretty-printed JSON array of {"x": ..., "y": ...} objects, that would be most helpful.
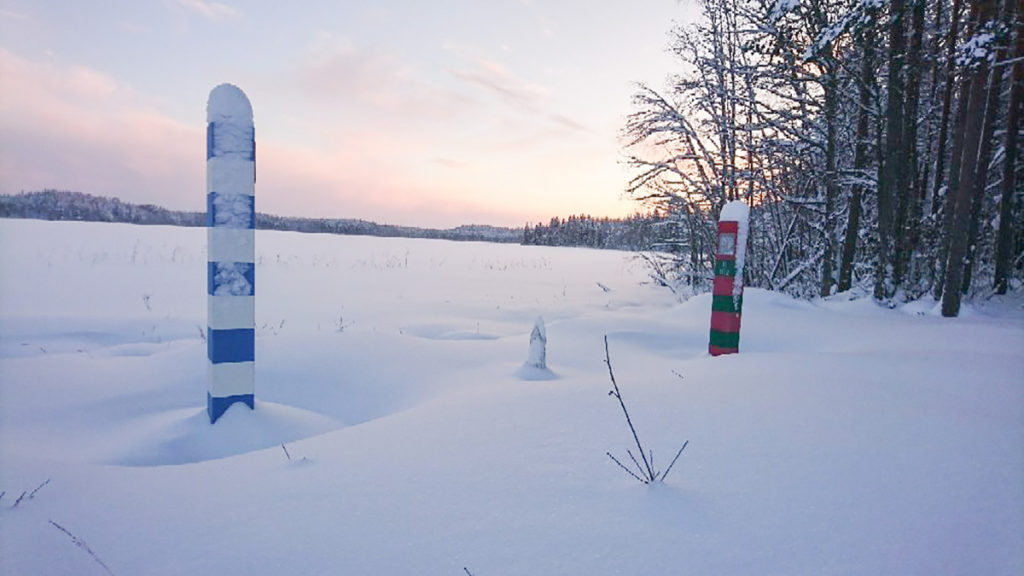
[{"x": 396, "y": 432}]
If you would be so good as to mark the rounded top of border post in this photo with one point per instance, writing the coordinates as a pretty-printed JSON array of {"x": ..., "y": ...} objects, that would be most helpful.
[
  {"x": 735, "y": 211},
  {"x": 227, "y": 103}
]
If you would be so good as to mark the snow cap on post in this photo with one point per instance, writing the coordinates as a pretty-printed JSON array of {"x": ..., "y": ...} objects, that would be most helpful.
[
  {"x": 229, "y": 118},
  {"x": 737, "y": 211},
  {"x": 727, "y": 295},
  {"x": 228, "y": 101}
]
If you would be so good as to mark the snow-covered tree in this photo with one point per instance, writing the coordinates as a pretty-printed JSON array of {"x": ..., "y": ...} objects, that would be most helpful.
[{"x": 863, "y": 133}]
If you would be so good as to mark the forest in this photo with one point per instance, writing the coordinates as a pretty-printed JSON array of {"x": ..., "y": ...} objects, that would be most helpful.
[
  {"x": 875, "y": 141},
  {"x": 70, "y": 205},
  {"x": 639, "y": 232}
]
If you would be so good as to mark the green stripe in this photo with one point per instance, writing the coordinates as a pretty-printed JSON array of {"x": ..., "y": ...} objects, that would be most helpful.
[
  {"x": 725, "y": 339},
  {"x": 727, "y": 303},
  {"x": 725, "y": 267}
]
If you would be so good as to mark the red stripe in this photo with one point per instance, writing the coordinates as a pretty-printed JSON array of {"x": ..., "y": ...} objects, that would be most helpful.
[
  {"x": 725, "y": 322},
  {"x": 716, "y": 351},
  {"x": 728, "y": 226},
  {"x": 723, "y": 285}
]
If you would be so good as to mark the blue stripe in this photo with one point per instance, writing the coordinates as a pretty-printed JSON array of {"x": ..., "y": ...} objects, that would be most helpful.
[
  {"x": 209, "y": 140},
  {"x": 226, "y": 220},
  {"x": 232, "y": 278},
  {"x": 234, "y": 345},
  {"x": 216, "y": 407}
]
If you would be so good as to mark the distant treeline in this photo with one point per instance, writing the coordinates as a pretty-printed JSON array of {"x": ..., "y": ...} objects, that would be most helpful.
[
  {"x": 637, "y": 232},
  {"x": 67, "y": 205}
]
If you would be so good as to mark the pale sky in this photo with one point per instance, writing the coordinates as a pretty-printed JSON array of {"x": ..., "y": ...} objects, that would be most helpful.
[{"x": 425, "y": 113}]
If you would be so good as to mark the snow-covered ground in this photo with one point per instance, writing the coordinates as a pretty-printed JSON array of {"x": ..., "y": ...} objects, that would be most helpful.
[{"x": 843, "y": 439}]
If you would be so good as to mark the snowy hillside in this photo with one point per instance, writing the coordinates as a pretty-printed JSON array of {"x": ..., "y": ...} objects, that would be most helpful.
[{"x": 396, "y": 432}]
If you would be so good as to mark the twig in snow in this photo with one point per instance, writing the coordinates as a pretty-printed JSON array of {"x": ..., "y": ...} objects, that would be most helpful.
[
  {"x": 82, "y": 545},
  {"x": 669, "y": 469},
  {"x": 18, "y": 501},
  {"x": 645, "y": 473},
  {"x": 635, "y": 463},
  {"x": 467, "y": 571},
  {"x": 286, "y": 452},
  {"x": 32, "y": 494},
  {"x": 628, "y": 471},
  {"x": 618, "y": 396}
]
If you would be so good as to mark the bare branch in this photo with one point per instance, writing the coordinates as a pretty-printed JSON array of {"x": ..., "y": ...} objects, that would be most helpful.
[{"x": 669, "y": 469}]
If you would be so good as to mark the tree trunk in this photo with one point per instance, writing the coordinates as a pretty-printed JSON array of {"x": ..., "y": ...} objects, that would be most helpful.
[
  {"x": 969, "y": 168},
  {"x": 1004, "y": 240},
  {"x": 930, "y": 153},
  {"x": 955, "y": 164},
  {"x": 860, "y": 153},
  {"x": 831, "y": 180},
  {"x": 890, "y": 188},
  {"x": 908, "y": 217},
  {"x": 947, "y": 103},
  {"x": 995, "y": 87}
]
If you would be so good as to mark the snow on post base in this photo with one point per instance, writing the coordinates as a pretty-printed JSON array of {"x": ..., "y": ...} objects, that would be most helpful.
[
  {"x": 216, "y": 407},
  {"x": 231, "y": 270},
  {"x": 727, "y": 295}
]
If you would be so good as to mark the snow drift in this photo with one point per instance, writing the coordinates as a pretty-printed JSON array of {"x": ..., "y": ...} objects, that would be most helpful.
[{"x": 843, "y": 439}]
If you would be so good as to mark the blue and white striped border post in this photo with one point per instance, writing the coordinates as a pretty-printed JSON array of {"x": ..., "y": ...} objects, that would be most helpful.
[{"x": 230, "y": 233}]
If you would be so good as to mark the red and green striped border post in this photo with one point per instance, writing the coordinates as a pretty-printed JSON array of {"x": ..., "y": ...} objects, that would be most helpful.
[{"x": 727, "y": 295}]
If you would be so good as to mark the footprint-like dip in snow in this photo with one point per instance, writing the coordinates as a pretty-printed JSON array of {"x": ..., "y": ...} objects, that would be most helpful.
[{"x": 447, "y": 332}]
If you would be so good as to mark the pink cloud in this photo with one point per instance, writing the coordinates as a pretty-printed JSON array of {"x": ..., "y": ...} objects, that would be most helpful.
[
  {"x": 75, "y": 127},
  {"x": 373, "y": 79},
  {"x": 210, "y": 10},
  {"x": 78, "y": 128},
  {"x": 497, "y": 80}
]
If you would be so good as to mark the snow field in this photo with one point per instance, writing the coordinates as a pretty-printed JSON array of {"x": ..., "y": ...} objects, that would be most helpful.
[{"x": 843, "y": 439}]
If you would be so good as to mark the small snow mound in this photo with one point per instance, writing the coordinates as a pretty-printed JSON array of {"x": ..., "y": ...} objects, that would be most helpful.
[
  {"x": 761, "y": 298},
  {"x": 531, "y": 373},
  {"x": 538, "y": 345},
  {"x": 926, "y": 306},
  {"x": 186, "y": 436},
  {"x": 137, "y": 349}
]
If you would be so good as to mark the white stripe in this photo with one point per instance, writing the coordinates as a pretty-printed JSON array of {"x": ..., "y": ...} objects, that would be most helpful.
[
  {"x": 230, "y": 312},
  {"x": 228, "y": 175},
  {"x": 231, "y": 378},
  {"x": 230, "y": 244}
]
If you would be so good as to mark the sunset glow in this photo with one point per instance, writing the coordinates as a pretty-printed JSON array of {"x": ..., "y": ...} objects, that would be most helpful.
[{"x": 423, "y": 114}]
